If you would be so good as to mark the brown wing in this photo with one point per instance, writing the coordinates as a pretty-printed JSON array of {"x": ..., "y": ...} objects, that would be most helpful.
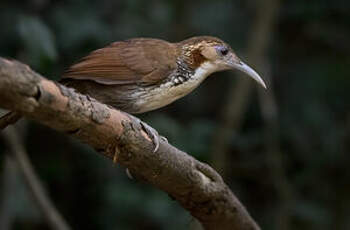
[{"x": 139, "y": 60}]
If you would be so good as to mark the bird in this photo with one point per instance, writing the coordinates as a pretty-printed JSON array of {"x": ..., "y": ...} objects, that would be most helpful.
[{"x": 143, "y": 74}]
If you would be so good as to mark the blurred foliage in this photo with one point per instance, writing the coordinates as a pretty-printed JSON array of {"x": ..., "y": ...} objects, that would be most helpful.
[{"x": 309, "y": 59}]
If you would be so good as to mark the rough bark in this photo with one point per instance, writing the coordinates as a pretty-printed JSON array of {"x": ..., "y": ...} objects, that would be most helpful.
[{"x": 119, "y": 136}]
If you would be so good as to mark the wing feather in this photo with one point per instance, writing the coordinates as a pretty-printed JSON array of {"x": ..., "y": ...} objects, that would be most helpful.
[{"x": 139, "y": 60}]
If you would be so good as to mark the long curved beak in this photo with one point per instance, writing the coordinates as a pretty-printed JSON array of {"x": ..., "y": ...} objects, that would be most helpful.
[{"x": 246, "y": 69}]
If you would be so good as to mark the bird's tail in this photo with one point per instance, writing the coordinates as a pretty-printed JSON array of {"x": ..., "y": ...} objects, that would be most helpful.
[{"x": 9, "y": 119}]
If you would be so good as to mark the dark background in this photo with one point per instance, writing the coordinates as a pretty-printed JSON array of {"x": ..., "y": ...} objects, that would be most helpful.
[{"x": 284, "y": 152}]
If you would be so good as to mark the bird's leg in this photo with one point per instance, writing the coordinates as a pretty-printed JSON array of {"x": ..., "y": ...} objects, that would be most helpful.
[
  {"x": 152, "y": 133},
  {"x": 128, "y": 173}
]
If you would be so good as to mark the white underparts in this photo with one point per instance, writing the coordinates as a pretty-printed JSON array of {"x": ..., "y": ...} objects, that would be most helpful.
[{"x": 169, "y": 92}]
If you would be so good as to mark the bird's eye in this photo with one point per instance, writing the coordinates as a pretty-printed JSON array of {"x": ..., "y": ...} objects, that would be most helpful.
[{"x": 222, "y": 50}]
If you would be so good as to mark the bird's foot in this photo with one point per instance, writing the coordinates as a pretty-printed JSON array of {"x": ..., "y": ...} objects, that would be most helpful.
[
  {"x": 153, "y": 134},
  {"x": 164, "y": 139},
  {"x": 128, "y": 173}
]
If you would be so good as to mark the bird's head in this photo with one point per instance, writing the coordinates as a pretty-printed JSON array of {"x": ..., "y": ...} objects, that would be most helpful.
[{"x": 212, "y": 55}]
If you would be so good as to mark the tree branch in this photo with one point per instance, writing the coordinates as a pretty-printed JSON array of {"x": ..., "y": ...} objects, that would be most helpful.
[{"x": 117, "y": 135}]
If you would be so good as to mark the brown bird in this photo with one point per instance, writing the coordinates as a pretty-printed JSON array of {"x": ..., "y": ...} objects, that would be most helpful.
[{"x": 144, "y": 74}]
